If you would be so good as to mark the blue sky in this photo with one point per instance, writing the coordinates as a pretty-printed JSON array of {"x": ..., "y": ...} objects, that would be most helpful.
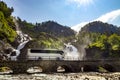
[{"x": 65, "y": 12}]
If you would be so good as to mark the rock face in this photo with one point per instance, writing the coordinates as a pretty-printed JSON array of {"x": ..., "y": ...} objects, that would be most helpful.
[{"x": 5, "y": 50}]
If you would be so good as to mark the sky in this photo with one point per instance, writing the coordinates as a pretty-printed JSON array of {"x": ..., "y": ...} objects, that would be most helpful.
[{"x": 72, "y": 13}]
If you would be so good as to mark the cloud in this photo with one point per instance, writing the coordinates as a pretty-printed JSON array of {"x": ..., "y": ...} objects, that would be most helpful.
[
  {"x": 112, "y": 17},
  {"x": 109, "y": 17},
  {"x": 81, "y": 2},
  {"x": 79, "y": 26}
]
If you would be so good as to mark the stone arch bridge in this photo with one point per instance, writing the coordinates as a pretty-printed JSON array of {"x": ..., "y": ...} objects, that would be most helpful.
[{"x": 49, "y": 66}]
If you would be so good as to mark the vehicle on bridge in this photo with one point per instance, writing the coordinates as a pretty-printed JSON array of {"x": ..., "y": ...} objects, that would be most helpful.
[{"x": 46, "y": 54}]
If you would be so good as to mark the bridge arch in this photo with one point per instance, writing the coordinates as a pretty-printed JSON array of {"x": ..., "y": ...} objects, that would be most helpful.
[
  {"x": 35, "y": 69},
  {"x": 64, "y": 68},
  {"x": 89, "y": 68},
  {"x": 109, "y": 68}
]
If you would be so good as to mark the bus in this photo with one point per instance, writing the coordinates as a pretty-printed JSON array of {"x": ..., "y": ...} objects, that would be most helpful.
[{"x": 45, "y": 54}]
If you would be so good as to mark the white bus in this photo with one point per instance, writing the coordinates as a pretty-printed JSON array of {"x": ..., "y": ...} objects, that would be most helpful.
[{"x": 39, "y": 54}]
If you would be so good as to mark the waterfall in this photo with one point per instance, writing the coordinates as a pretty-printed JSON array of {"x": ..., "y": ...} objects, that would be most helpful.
[
  {"x": 71, "y": 52},
  {"x": 79, "y": 53},
  {"x": 24, "y": 38}
]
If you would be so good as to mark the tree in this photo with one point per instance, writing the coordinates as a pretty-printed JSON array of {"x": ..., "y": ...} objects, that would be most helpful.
[
  {"x": 6, "y": 10},
  {"x": 6, "y": 30},
  {"x": 114, "y": 40}
]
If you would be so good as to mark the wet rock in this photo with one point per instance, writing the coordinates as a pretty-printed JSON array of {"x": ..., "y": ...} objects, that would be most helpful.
[{"x": 8, "y": 51}]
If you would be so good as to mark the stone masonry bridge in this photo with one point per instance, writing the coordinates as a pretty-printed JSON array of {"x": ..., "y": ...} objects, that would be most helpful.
[{"x": 49, "y": 66}]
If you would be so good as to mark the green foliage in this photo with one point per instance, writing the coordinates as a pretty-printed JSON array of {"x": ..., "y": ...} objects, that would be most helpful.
[
  {"x": 101, "y": 69},
  {"x": 48, "y": 41},
  {"x": 110, "y": 44},
  {"x": 3, "y": 69},
  {"x": 97, "y": 44},
  {"x": 103, "y": 41},
  {"x": 6, "y": 32},
  {"x": 114, "y": 40},
  {"x": 6, "y": 10},
  {"x": 115, "y": 47},
  {"x": 44, "y": 40}
]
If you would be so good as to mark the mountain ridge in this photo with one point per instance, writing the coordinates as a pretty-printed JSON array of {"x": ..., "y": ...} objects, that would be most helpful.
[
  {"x": 100, "y": 27},
  {"x": 112, "y": 17}
]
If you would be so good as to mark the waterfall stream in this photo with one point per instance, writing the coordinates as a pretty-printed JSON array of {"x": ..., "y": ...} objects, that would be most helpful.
[
  {"x": 24, "y": 38},
  {"x": 71, "y": 52}
]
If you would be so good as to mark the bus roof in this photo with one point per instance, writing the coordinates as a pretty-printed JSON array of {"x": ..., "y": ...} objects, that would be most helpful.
[{"x": 46, "y": 51}]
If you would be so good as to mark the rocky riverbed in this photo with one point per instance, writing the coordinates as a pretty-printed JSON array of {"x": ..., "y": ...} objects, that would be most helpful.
[{"x": 65, "y": 76}]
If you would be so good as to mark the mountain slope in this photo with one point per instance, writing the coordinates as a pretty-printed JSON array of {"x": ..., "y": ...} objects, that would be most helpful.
[
  {"x": 49, "y": 27},
  {"x": 54, "y": 28},
  {"x": 100, "y": 27}
]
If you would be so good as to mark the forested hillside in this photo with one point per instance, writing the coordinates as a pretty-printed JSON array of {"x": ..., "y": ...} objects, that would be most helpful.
[
  {"x": 48, "y": 33},
  {"x": 100, "y": 27},
  {"x": 50, "y": 27},
  {"x": 102, "y": 40},
  {"x": 7, "y": 27}
]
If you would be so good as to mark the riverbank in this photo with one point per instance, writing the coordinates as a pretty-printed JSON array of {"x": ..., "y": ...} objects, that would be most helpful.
[{"x": 65, "y": 76}]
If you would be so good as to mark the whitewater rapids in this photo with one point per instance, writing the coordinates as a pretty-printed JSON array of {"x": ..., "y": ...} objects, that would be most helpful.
[{"x": 65, "y": 76}]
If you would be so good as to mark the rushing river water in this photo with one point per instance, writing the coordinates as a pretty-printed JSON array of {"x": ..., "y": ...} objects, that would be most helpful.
[{"x": 63, "y": 76}]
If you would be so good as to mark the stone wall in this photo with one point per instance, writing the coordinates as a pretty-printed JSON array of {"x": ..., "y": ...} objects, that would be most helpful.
[{"x": 49, "y": 66}]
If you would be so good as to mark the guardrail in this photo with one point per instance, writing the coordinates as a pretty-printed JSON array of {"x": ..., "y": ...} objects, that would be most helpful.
[
  {"x": 63, "y": 59},
  {"x": 68, "y": 59}
]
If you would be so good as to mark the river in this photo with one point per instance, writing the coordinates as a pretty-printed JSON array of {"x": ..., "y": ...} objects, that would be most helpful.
[{"x": 62, "y": 76}]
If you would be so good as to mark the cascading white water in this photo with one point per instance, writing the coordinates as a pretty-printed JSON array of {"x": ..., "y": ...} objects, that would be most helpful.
[
  {"x": 21, "y": 45},
  {"x": 24, "y": 38},
  {"x": 71, "y": 52}
]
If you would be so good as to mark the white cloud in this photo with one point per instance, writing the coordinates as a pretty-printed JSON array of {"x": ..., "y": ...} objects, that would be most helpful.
[
  {"x": 79, "y": 26},
  {"x": 81, "y": 2},
  {"x": 111, "y": 17}
]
